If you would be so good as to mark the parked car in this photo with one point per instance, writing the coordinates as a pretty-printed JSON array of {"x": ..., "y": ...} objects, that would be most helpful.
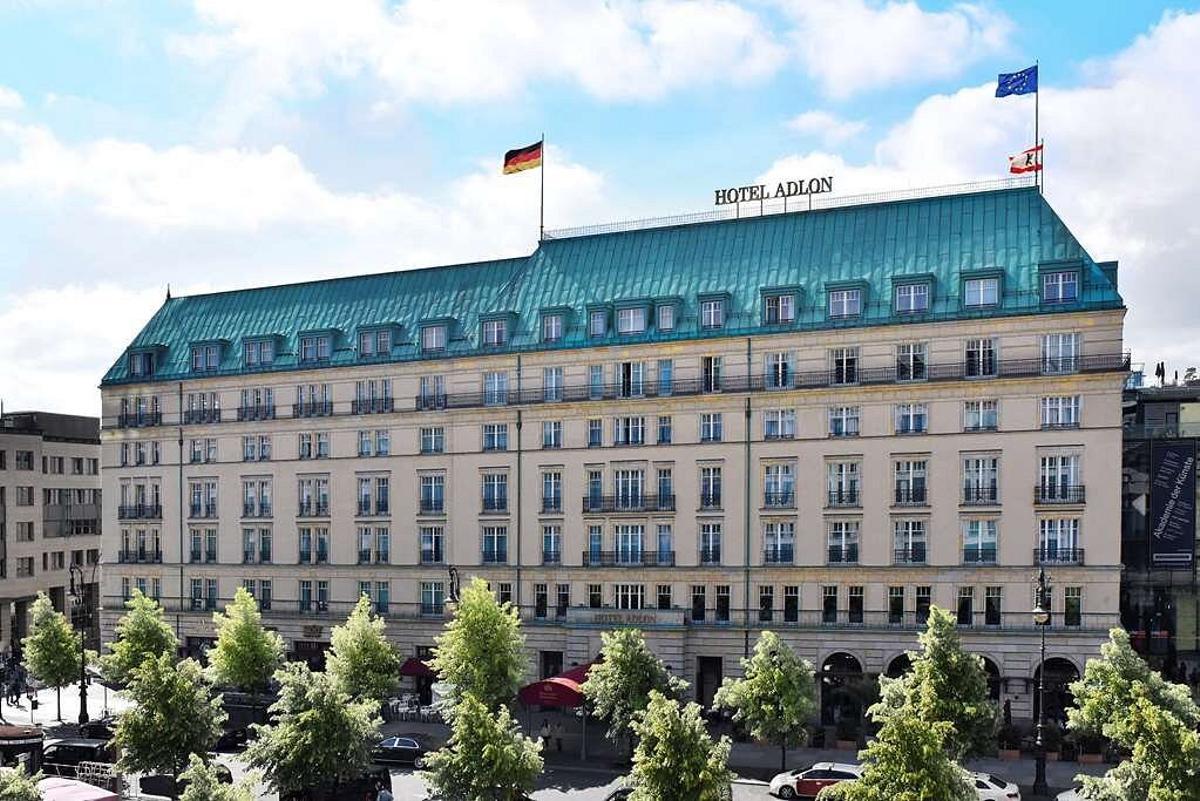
[
  {"x": 360, "y": 789},
  {"x": 62, "y": 757},
  {"x": 1070, "y": 795},
  {"x": 807, "y": 782},
  {"x": 619, "y": 794},
  {"x": 160, "y": 785},
  {"x": 99, "y": 729},
  {"x": 990, "y": 788},
  {"x": 404, "y": 749}
]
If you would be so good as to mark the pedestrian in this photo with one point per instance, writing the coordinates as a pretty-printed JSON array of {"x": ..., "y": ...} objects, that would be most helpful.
[
  {"x": 544, "y": 734},
  {"x": 558, "y": 734},
  {"x": 382, "y": 793}
]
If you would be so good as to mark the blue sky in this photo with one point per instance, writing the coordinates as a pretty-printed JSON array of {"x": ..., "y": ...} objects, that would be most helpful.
[{"x": 221, "y": 143}]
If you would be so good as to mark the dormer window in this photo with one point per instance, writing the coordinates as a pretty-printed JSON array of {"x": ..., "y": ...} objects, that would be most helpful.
[
  {"x": 779, "y": 309},
  {"x": 552, "y": 327},
  {"x": 374, "y": 343},
  {"x": 495, "y": 333},
  {"x": 141, "y": 363},
  {"x": 597, "y": 323},
  {"x": 205, "y": 358},
  {"x": 259, "y": 352},
  {"x": 666, "y": 317},
  {"x": 712, "y": 313},
  {"x": 631, "y": 321},
  {"x": 912, "y": 298},
  {"x": 315, "y": 347},
  {"x": 433, "y": 338},
  {"x": 845, "y": 302},
  {"x": 981, "y": 292},
  {"x": 1061, "y": 286}
]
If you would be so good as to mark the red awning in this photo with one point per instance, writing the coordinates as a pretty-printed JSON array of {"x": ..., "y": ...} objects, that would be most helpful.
[
  {"x": 415, "y": 667},
  {"x": 564, "y": 690},
  {"x": 55, "y": 788}
]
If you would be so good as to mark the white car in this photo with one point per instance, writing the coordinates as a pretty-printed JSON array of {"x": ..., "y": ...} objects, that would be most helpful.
[
  {"x": 807, "y": 782},
  {"x": 1070, "y": 795},
  {"x": 990, "y": 788}
]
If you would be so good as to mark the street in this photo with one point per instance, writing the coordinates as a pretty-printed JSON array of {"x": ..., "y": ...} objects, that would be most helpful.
[{"x": 562, "y": 783}]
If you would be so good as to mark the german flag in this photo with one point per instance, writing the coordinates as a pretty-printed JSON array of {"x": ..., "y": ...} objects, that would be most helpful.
[{"x": 523, "y": 158}]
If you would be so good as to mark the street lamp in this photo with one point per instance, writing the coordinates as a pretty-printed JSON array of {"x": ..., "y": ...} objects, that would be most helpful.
[
  {"x": 1041, "y": 617},
  {"x": 80, "y": 607}
]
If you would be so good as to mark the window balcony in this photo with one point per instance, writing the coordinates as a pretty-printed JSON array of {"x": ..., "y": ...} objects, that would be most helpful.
[
  {"x": 980, "y": 495},
  {"x": 910, "y": 496},
  {"x": 312, "y": 409},
  {"x": 140, "y": 511},
  {"x": 1059, "y": 494},
  {"x": 912, "y": 555},
  {"x": 256, "y": 413},
  {"x": 985, "y": 555},
  {"x": 312, "y": 509},
  {"x": 366, "y": 509},
  {"x": 201, "y": 416},
  {"x": 372, "y": 405},
  {"x": 778, "y": 555},
  {"x": 494, "y": 556},
  {"x": 710, "y": 500},
  {"x": 139, "y": 419},
  {"x": 551, "y": 557},
  {"x": 495, "y": 506},
  {"x": 843, "y": 554},
  {"x": 433, "y": 506},
  {"x": 202, "y": 511},
  {"x": 1053, "y": 555},
  {"x": 432, "y": 556},
  {"x": 847, "y": 498},
  {"x": 430, "y": 402},
  {"x": 131, "y": 556},
  {"x": 262, "y": 509},
  {"x": 552, "y": 505},
  {"x": 779, "y": 499},
  {"x": 628, "y": 502},
  {"x": 629, "y": 558},
  {"x": 710, "y": 555}
]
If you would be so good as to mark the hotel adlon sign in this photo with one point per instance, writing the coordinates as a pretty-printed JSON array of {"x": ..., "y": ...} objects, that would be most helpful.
[{"x": 784, "y": 189}]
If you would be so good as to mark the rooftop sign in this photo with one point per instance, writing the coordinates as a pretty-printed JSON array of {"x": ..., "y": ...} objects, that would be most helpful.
[{"x": 784, "y": 189}]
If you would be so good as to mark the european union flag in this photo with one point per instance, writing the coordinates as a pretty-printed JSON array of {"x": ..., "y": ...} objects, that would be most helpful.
[{"x": 1017, "y": 83}]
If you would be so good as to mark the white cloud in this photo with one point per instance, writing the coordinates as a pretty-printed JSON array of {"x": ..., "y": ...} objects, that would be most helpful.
[
  {"x": 10, "y": 99},
  {"x": 1121, "y": 169},
  {"x": 853, "y": 45},
  {"x": 827, "y": 126}
]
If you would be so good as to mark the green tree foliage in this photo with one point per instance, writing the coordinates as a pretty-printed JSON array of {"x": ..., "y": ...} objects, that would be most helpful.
[
  {"x": 203, "y": 784},
  {"x": 482, "y": 650},
  {"x": 486, "y": 757},
  {"x": 246, "y": 654},
  {"x": 141, "y": 632},
  {"x": 1122, "y": 698},
  {"x": 618, "y": 687},
  {"x": 908, "y": 761},
  {"x": 675, "y": 758},
  {"x": 946, "y": 683},
  {"x": 775, "y": 697},
  {"x": 17, "y": 785},
  {"x": 174, "y": 714},
  {"x": 320, "y": 737},
  {"x": 361, "y": 659},
  {"x": 52, "y": 648}
]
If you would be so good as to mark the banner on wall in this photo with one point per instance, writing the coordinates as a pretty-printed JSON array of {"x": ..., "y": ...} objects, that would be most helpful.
[{"x": 1173, "y": 504}]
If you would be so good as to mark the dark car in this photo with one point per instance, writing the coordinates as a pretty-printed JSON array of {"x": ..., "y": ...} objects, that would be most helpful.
[
  {"x": 167, "y": 786},
  {"x": 99, "y": 729},
  {"x": 360, "y": 789},
  {"x": 232, "y": 740},
  {"x": 403, "y": 749},
  {"x": 63, "y": 757},
  {"x": 619, "y": 794}
]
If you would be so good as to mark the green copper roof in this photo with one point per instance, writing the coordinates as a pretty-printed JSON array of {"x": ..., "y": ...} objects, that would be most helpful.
[{"x": 1012, "y": 233}]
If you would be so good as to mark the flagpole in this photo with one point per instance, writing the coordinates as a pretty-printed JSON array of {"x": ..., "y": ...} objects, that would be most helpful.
[
  {"x": 542, "y": 194},
  {"x": 1037, "y": 96}
]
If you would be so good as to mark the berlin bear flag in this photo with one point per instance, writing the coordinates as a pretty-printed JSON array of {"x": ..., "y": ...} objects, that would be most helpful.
[{"x": 1026, "y": 161}]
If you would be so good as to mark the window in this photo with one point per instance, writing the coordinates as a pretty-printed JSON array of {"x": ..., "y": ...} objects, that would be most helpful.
[
  {"x": 910, "y": 481},
  {"x": 495, "y": 492},
  {"x": 966, "y": 606},
  {"x": 495, "y": 436},
  {"x": 1058, "y": 479},
  {"x": 552, "y": 433},
  {"x": 912, "y": 298},
  {"x": 854, "y": 607},
  {"x": 597, "y": 323},
  {"x": 551, "y": 545},
  {"x": 631, "y": 321},
  {"x": 562, "y": 599},
  {"x": 433, "y": 597},
  {"x": 843, "y": 483},
  {"x": 979, "y": 541},
  {"x": 981, "y": 291},
  {"x": 630, "y": 487},
  {"x": 432, "y": 545},
  {"x": 495, "y": 388},
  {"x": 630, "y": 596},
  {"x": 315, "y": 348},
  {"x": 595, "y": 596},
  {"x": 791, "y": 604},
  {"x": 664, "y": 430},
  {"x": 495, "y": 333},
  {"x": 595, "y": 433},
  {"x": 843, "y": 421},
  {"x": 552, "y": 327},
  {"x": 779, "y": 309},
  {"x": 374, "y": 343},
  {"x": 433, "y": 338},
  {"x": 829, "y": 604},
  {"x": 1060, "y": 353},
  {"x": 699, "y": 602},
  {"x": 712, "y": 313},
  {"x": 924, "y": 601},
  {"x": 1059, "y": 541},
  {"x": 433, "y": 439},
  {"x": 766, "y": 603},
  {"x": 666, "y": 547},
  {"x": 629, "y": 540},
  {"x": 845, "y": 302},
  {"x": 632, "y": 377},
  {"x": 495, "y": 544},
  {"x": 432, "y": 393},
  {"x": 710, "y": 487},
  {"x": 629, "y": 431},
  {"x": 710, "y": 543},
  {"x": 843, "y": 363},
  {"x": 504, "y": 593},
  {"x": 664, "y": 596},
  {"x": 980, "y": 479},
  {"x": 779, "y": 539},
  {"x": 1073, "y": 606},
  {"x": 895, "y": 605},
  {"x": 666, "y": 317},
  {"x": 992, "y": 605},
  {"x": 779, "y": 486},
  {"x": 912, "y": 361},
  {"x": 908, "y": 541},
  {"x": 980, "y": 415},
  {"x": 711, "y": 427},
  {"x": 777, "y": 371},
  {"x": 911, "y": 418},
  {"x": 843, "y": 542},
  {"x": 1060, "y": 411},
  {"x": 552, "y": 492},
  {"x": 552, "y": 384},
  {"x": 141, "y": 364},
  {"x": 205, "y": 358},
  {"x": 1060, "y": 287},
  {"x": 666, "y": 377},
  {"x": 723, "y": 596},
  {"x": 710, "y": 373},
  {"x": 779, "y": 424},
  {"x": 981, "y": 358}
]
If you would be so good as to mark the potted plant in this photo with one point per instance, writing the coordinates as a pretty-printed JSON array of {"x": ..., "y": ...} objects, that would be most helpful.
[
  {"x": 1009, "y": 739},
  {"x": 1052, "y": 741},
  {"x": 1091, "y": 748},
  {"x": 847, "y": 734}
]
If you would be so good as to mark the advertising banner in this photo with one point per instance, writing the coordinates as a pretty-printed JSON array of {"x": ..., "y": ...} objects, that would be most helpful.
[{"x": 1173, "y": 504}]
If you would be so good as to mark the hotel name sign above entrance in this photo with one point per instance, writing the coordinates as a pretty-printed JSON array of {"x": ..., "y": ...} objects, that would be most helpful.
[{"x": 784, "y": 189}]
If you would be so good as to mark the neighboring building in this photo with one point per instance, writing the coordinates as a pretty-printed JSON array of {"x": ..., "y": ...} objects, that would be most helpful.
[
  {"x": 1159, "y": 602},
  {"x": 820, "y": 423},
  {"x": 50, "y": 514}
]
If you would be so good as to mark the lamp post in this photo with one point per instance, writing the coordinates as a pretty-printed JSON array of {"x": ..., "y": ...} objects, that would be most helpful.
[
  {"x": 1041, "y": 616},
  {"x": 79, "y": 603}
]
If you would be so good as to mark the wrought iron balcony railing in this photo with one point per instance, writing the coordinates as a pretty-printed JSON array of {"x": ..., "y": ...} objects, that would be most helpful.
[
  {"x": 1059, "y": 493},
  {"x": 629, "y": 558},
  {"x": 630, "y": 502}
]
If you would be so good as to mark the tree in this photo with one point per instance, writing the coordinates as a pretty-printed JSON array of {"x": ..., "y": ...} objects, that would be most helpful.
[
  {"x": 946, "y": 683},
  {"x": 482, "y": 650},
  {"x": 675, "y": 758},
  {"x": 17, "y": 785},
  {"x": 320, "y": 736},
  {"x": 618, "y": 686},
  {"x": 361, "y": 659},
  {"x": 1123, "y": 699},
  {"x": 486, "y": 756},
  {"x": 908, "y": 761},
  {"x": 246, "y": 654},
  {"x": 174, "y": 714},
  {"x": 52, "y": 649},
  {"x": 775, "y": 696},
  {"x": 201, "y": 783},
  {"x": 141, "y": 632}
]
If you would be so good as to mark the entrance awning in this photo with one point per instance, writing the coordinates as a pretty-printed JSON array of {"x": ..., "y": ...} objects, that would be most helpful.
[
  {"x": 415, "y": 667},
  {"x": 56, "y": 788},
  {"x": 564, "y": 690}
]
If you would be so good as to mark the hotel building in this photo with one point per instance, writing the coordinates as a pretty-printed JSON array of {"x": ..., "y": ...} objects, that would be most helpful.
[{"x": 820, "y": 423}]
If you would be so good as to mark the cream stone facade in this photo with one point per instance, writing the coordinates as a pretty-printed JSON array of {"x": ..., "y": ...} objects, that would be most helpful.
[{"x": 894, "y": 467}]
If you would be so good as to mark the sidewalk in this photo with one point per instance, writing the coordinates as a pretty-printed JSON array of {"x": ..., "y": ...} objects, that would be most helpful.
[{"x": 46, "y": 715}]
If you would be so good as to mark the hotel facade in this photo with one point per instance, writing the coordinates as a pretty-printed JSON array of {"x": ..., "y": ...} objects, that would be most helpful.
[{"x": 820, "y": 423}]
